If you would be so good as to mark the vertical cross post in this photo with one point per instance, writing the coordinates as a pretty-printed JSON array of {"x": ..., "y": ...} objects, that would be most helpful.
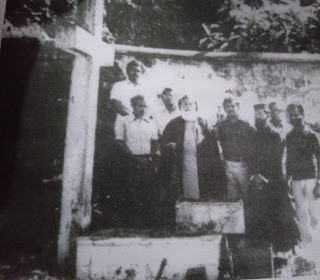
[
  {"x": 2, "y": 13},
  {"x": 90, "y": 54}
]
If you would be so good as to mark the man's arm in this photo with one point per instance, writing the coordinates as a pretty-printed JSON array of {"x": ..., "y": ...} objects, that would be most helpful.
[
  {"x": 316, "y": 152},
  {"x": 154, "y": 147},
  {"x": 154, "y": 139},
  {"x": 120, "y": 132},
  {"x": 251, "y": 157},
  {"x": 119, "y": 107},
  {"x": 167, "y": 139},
  {"x": 115, "y": 99},
  {"x": 204, "y": 127}
]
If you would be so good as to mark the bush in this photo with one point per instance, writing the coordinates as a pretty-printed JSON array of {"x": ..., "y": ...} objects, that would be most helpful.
[{"x": 270, "y": 27}]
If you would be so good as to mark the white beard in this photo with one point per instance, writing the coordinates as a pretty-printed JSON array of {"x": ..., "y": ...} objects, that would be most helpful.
[{"x": 189, "y": 115}]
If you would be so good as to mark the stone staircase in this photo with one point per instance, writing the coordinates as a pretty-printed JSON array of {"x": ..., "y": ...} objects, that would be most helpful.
[{"x": 193, "y": 250}]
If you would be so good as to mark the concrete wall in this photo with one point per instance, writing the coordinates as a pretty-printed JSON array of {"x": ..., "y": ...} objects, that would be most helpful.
[{"x": 212, "y": 76}]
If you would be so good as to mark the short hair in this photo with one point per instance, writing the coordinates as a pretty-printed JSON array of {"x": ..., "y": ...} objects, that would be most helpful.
[
  {"x": 229, "y": 100},
  {"x": 271, "y": 105},
  {"x": 166, "y": 90},
  {"x": 133, "y": 64},
  {"x": 185, "y": 97},
  {"x": 134, "y": 100},
  {"x": 275, "y": 104},
  {"x": 294, "y": 106},
  {"x": 261, "y": 106}
]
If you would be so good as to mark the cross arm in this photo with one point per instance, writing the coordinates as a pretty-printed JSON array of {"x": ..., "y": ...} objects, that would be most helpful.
[{"x": 77, "y": 39}]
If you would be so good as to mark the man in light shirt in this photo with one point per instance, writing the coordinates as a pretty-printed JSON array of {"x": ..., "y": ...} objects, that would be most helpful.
[
  {"x": 169, "y": 112},
  {"x": 123, "y": 91},
  {"x": 276, "y": 121},
  {"x": 138, "y": 136}
]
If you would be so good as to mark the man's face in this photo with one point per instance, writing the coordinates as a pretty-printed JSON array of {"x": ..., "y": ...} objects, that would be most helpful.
[
  {"x": 232, "y": 109},
  {"x": 167, "y": 98},
  {"x": 261, "y": 116},
  {"x": 187, "y": 106},
  {"x": 134, "y": 73},
  {"x": 276, "y": 113},
  {"x": 139, "y": 108},
  {"x": 295, "y": 118}
]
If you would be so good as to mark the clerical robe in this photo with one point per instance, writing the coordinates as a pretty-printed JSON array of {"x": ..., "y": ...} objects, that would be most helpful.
[
  {"x": 272, "y": 215},
  {"x": 211, "y": 176}
]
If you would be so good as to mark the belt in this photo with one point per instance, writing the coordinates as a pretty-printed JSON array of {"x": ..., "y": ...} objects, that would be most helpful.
[
  {"x": 235, "y": 159},
  {"x": 142, "y": 156}
]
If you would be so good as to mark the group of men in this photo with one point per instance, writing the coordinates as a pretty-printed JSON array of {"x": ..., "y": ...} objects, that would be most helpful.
[{"x": 175, "y": 154}]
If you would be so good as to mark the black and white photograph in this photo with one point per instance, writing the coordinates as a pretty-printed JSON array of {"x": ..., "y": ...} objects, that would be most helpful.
[{"x": 160, "y": 139}]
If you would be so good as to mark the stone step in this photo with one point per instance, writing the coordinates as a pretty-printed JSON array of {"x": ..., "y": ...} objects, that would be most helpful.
[
  {"x": 140, "y": 256},
  {"x": 210, "y": 217}
]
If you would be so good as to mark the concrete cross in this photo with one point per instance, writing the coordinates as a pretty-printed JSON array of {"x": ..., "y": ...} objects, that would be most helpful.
[
  {"x": 2, "y": 12},
  {"x": 90, "y": 54}
]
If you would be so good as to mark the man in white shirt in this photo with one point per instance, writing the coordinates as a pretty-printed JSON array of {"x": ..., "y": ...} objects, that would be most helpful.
[
  {"x": 169, "y": 112},
  {"x": 138, "y": 135},
  {"x": 123, "y": 91}
]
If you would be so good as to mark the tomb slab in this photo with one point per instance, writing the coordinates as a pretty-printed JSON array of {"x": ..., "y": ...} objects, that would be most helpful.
[
  {"x": 140, "y": 255},
  {"x": 208, "y": 217}
]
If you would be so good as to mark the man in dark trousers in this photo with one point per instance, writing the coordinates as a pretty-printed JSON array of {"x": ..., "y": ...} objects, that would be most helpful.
[
  {"x": 271, "y": 212},
  {"x": 138, "y": 136}
]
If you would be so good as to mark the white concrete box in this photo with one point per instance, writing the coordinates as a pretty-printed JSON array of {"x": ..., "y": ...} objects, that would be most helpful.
[
  {"x": 140, "y": 258},
  {"x": 210, "y": 217}
]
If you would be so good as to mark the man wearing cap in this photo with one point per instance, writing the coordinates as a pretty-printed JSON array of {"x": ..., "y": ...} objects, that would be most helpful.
[
  {"x": 123, "y": 91},
  {"x": 303, "y": 168},
  {"x": 271, "y": 213},
  {"x": 236, "y": 137}
]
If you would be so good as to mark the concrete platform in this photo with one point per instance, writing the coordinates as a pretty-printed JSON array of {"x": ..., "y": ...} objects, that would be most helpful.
[
  {"x": 210, "y": 217},
  {"x": 139, "y": 255}
]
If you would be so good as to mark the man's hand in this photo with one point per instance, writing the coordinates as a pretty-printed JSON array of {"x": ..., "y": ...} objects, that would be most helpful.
[
  {"x": 171, "y": 145},
  {"x": 316, "y": 190},
  {"x": 257, "y": 181}
]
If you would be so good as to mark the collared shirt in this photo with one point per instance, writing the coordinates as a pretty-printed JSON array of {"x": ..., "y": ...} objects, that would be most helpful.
[
  {"x": 302, "y": 149},
  {"x": 236, "y": 139},
  {"x": 123, "y": 91},
  {"x": 281, "y": 128},
  {"x": 164, "y": 117},
  {"x": 136, "y": 133}
]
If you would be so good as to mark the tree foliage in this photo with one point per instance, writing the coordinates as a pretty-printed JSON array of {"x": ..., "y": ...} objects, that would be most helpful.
[
  {"x": 158, "y": 23},
  {"x": 210, "y": 25},
  {"x": 23, "y": 12},
  {"x": 284, "y": 26}
]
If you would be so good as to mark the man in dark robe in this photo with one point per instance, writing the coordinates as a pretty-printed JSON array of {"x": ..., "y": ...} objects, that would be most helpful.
[
  {"x": 206, "y": 170},
  {"x": 271, "y": 216}
]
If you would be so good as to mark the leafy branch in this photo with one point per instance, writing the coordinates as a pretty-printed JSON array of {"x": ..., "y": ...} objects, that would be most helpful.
[{"x": 276, "y": 27}]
